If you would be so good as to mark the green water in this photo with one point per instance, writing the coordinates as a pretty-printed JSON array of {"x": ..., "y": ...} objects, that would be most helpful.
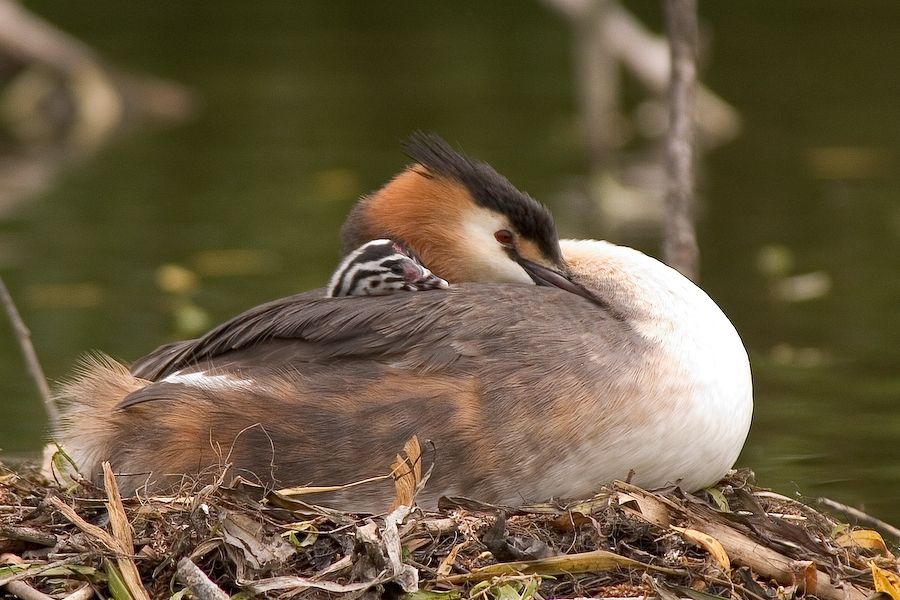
[{"x": 302, "y": 106}]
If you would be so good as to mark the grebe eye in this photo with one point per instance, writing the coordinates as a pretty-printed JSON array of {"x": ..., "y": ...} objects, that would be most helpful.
[{"x": 505, "y": 237}]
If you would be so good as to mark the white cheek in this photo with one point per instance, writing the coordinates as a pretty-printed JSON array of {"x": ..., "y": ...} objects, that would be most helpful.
[{"x": 486, "y": 254}]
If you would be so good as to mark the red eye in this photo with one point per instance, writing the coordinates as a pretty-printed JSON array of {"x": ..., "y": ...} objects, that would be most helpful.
[{"x": 505, "y": 237}]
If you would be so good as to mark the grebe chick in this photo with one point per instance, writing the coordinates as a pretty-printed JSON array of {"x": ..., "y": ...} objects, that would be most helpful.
[{"x": 378, "y": 268}]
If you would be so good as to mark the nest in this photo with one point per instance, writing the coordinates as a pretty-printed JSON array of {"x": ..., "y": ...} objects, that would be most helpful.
[{"x": 732, "y": 541}]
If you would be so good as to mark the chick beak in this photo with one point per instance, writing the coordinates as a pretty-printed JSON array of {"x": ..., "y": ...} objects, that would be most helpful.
[
  {"x": 431, "y": 282},
  {"x": 549, "y": 277},
  {"x": 421, "y": 279}
]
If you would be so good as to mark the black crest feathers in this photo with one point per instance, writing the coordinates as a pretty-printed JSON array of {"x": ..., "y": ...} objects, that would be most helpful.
[{"x": 488, "y": 188}]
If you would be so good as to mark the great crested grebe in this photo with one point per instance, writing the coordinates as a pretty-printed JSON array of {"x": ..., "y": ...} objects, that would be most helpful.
[
  {"x": 378, "y": 268},
  {"x": 525, "y": 393}
]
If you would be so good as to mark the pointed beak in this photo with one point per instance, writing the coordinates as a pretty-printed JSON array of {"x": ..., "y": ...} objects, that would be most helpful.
[
  {"x": 419, "y": 278},
  {"x": 431, "y": 282},
  {"x": 552, "y": 278}
]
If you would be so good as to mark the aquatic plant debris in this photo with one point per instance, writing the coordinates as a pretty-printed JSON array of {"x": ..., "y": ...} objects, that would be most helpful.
[{"x": 221, "y": 540}]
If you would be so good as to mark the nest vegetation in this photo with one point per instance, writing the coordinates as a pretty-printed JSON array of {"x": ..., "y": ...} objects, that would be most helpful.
[{"x": 234, "y": 539}]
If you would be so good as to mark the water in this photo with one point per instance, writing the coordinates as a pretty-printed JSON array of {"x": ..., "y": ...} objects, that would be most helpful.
[{"x": 168, "y": 230}]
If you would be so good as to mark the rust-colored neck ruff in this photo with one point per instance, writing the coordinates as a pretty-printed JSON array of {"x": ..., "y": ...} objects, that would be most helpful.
[{"x": 419, "y": 210}]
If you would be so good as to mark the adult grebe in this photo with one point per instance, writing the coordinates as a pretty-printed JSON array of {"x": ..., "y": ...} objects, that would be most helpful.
[{"x": 525, "y": 393}]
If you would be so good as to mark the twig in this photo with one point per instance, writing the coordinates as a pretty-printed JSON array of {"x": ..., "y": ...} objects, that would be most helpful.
[
  {"x": 28, "y": 534},
  {"x": 680, "y": 241},
  {"x": 193, "y": 577},
  {"x": 85, "y": 592},
  {"x": 860, "y": 516},
  {"x": 20, "y": 589},
  {"x": 296, "y": 584},
  {"x": 34, "y": 367}
]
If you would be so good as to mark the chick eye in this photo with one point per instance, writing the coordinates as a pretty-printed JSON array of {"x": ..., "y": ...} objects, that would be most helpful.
[{"x": 505, "y": 237}]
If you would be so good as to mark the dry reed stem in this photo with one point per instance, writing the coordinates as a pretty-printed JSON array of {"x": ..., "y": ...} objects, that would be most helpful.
[
  {"x": 318, "y": 489},
  {"x": 120, "y": 543},
  {"x": 122, "y": 531}
]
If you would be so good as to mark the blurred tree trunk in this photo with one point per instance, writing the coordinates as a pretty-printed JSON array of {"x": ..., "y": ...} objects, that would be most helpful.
[
  {"x": 625, "y": 191},
  {"x": 679, "y": 237}
]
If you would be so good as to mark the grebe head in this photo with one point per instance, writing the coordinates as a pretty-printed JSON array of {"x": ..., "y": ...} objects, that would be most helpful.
[
  {"x": 466, "y": 221},
  {"x": 378, "y": 268}
]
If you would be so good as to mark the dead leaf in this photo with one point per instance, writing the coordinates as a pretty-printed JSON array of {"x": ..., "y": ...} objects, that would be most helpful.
[
  {"x": 433, "y": 595},
  {"x": 406, "y": 576},
  {"x": 708, "y": 542},
  {"x": 885, "y": 581},
  {"x": 643, "y": 505},
  {"x": 864, "y": 538},
  {"x": 120, "y": 525},
  {"x": 407, "y": 474},
  {"x": 509, "y": 547},
  {"x": 369, "y": 558},
  {"x": 804, "y": 576},
  {"x": 446, "y": 565},
  {"x": 260, "y": 550},
  {"x": 696, "y": 594},
  {"x": 295, "y": 584},
  {"x": 571, "y": 520}
]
